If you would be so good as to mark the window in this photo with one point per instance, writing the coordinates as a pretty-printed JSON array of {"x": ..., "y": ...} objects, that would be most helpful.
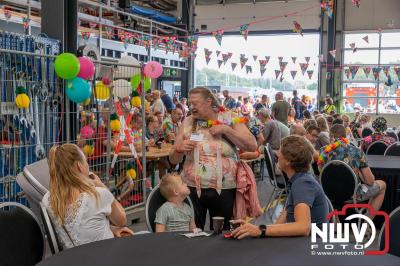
[{"x": 370, "y": 75}]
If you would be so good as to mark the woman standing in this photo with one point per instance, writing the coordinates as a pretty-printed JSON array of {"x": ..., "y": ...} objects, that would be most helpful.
[{"x": 210, "y": 138}]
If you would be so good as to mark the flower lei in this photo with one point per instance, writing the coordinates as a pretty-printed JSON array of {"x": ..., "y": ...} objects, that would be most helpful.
[
  {"x": 213, "y": 122},
  {"x": 331, "y": 147}
]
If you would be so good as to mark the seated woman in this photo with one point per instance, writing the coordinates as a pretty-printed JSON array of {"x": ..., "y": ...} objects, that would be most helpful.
[
  {"x": 380, "y": 126},
  {"x": 306, "y": 201},
  {"x": 82, "y": 209}
]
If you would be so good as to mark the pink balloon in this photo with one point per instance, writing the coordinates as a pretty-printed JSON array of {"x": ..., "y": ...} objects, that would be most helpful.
[
  {"x": 87, "y": 132},
  {"x": 153, "y": 69},
  {"x": 87, "y": 68},
  {"x": 106, "y": 80}
]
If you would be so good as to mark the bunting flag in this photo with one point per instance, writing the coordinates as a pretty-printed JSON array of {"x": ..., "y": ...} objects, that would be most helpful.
[
  {"x": 397, "y": 71},
  {"x": 297, "y": 28},
  {"x": 262, "y": 70},
  {"x": 310, "y": 73},
  {"x": 207, "y": 52},
  {"x": 233, "y": 65},
  {"x": 353, "y": 71},
  {"x": 280, "y": 58},
  {"x": 307, "y": 58},
  {"x": 255, "y": 57},
  {"x": 366, "y": 39},
  {"x": 367, "y": 70},
  {"x": 219, "y": 63},
  {"x": 386, "y": 70},
  {"x": 333, "y": 53},
  {"x": 294, "y": 59},
  {"x": 217, "y": 52},
  {"x": 263, "y": 63},
  {"x": 267, "y": 58},
  {"x": 230, "y": 55},
  {"x": 208, "y": 58},
  {"x": 249, "y": 69},
  {"x": 389, "y": 81},
  {"x": 356, "y": 3},
  {"x": 85, "y": 35},
  {"x": 218, "y": 36},
  {"x": 347, "y": 73},
  {"x": 293, "y": 73},
  {"x": 327, "y": 7},
  {"x": 353, "y": 46},
  {"x": 281, "y": 78},
  {"x": 243, "y": 60},
  {"x": 376, "y": 71},
  {"x": 225, "y": 58},
  {"x": 277, "y": 73},
  {"x": 282, "y": 66},
  {"x": 303, "y": 67},
  {"x": 244, "y": 30}
]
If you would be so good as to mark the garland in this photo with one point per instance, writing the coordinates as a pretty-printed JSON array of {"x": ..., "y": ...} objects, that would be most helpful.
[
  {"x": 331, "y": 147},
  {"x": 213, "y": 122}
]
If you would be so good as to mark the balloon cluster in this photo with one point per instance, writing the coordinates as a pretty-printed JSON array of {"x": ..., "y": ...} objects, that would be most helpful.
[{"x": 76, "y": 71}]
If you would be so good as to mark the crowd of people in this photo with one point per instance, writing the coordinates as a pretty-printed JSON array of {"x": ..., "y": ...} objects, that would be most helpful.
[{"x": 209, "y": 137}]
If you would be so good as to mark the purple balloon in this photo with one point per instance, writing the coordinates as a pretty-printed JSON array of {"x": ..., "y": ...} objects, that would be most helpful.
[{"x": 87, "y": 68}]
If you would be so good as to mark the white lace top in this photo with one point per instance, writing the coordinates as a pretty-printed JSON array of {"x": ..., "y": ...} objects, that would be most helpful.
[{"x": 86, "y": 220}]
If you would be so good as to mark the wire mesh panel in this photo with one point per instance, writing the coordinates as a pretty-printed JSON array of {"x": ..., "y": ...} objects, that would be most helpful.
[{"x": 37, "y": 114}]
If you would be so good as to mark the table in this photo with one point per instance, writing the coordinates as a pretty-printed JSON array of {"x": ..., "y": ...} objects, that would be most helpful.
[
  {"x": 387, "y": 168},
  {"x": 174, "y": 249}
]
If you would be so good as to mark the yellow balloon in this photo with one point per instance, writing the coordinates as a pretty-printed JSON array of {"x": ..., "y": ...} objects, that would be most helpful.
[
  {"x": 22, "y": 100},
  {"x": 136, "y": 101},
  {"x": 102, "y": 91},
  {"x": 131, "y": 173},
  {"x": 88, "y": 150},
  {"x": 115, "y": 125}
]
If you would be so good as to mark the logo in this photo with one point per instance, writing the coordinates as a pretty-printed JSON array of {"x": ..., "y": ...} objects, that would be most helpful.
[{"x": 334, "y": 238}]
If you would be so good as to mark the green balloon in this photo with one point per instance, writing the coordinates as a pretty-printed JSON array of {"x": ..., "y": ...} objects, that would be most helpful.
[
  {"x": 67, "y": 66},
  {"x": 135, "y": 81},
  {"x": 147, "y": 83}
]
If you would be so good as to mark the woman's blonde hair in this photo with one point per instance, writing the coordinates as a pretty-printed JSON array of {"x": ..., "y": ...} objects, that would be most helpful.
[
  {"x": 322, "y": 123},
  {"x": 206, "y": 94},
  {"x": 65, "y": 178}
]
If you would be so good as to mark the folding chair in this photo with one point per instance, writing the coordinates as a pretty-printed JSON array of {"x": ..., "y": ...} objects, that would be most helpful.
[
  {"x": 51, "y": 235},
  {"x": 394, "y": 233},
  {"x": 377, "y": 148},
  {"x": 393, "y": 150}
]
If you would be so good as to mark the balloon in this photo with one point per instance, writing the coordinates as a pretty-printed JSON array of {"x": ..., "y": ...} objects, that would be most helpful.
[
  {"x": 87, "y": 68},
  {"x": 102, "y": 92},
  {"x": 135, "y": 81},
  {"x": 22, "y": 100},
  {"x": 153, "y": 69},
  {"x": 78, "y": 90},
  {"x": 128, "y": 66},
  {"x": 106, "y": 80},
  {"x": 67, "y": 66},
  {"x": 147, "y": 83},
  {"x": 122, "y": 88}
]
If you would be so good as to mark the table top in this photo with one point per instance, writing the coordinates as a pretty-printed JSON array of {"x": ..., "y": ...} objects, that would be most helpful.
[
  {"x": 153, "y": 153},
  {"x": 383, "y": 162},
  {"x": 174, "y": 249}
]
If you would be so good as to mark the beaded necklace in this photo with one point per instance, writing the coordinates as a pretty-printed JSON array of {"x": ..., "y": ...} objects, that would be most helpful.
[{"x": 330, "y": 148}]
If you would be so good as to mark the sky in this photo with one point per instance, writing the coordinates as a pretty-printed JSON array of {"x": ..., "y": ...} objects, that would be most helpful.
[{"x": 288, "y": 46}]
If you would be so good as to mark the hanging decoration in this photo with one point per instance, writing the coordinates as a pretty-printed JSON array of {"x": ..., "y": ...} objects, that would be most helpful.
[
  {"x": 225, "y": 58},
  {"x": 267, "y": 58},
  {"x": 281, "y": 78},
  {"x": 297, "y": 28},
  {"x": 389, "y": 81},
  {"x": 327, "y": 7},
  {"x": 282, "y": 66},
  {"x": 217, "y": 52},
  {"x": 307, "y": 58},
  {"x": 136, "y": 102},
  {"x": 208, "y": 58},
  {"x": 243, "y": 60},
  {"x": 353, "y": 71},
  {"x": 233, "y": 65},
  {"x": 280, "y": 58},
  {"x": 310, "y": 73},
  {"x": 218, "y": 36},
  {"x": 293, "y": 73},
  {"x": 220, "y": 63},
  {"x": 333, "y": 53},
  {"x": 22, "y": 99},
  {"x": 263, "y": 63},
  {"x": 356, "y": 3},
  {"x": 277, "y": 73},
  {"x": 7, "y": 14},
  {"x": 353, "y": 47},
  {"x": 347, "y": 73},
  {"x": 230, "y": 55},
  {"x": 255, "y": 58},
  {"x": 244, "y": 31},
  {"x": 376, "y": 71},
  {"x": 249, "y": 69},
  {"x": 115, "y": 124},
  {"x": 294, "y": 58},
  {"x": 386, "y": 70},
  {"x": 303, "y": 67},
  {"x": 85, "y": 35},
  {"x": 153, "y": 69},
  {"x": 130, "y": 171},
  {"x": 366, "y": 39},
  {"x": 391, "y": 24},
  {"x": 262, "y": 70},
  {"x": 88, "y": 149},
  {"x": 87, "y": 132},
  {"x": 367, "y": 70}
]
